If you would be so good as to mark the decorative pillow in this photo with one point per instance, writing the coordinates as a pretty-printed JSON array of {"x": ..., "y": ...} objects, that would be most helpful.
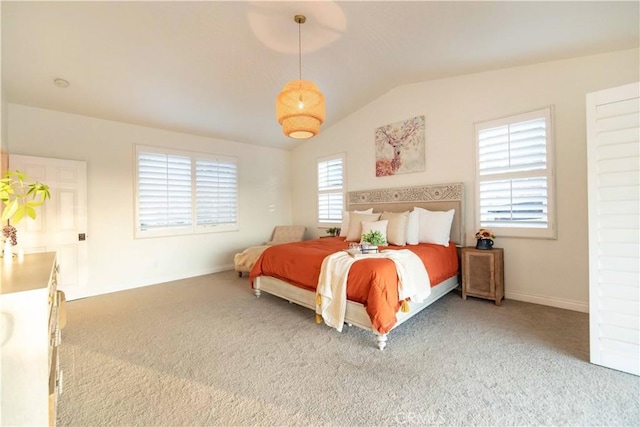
[
  {"x": 397, "y": 227},
  {"x": 345, "y": 220},
  {"x": 413, "y": 228},
  {"x": 381, "y": 226},
  {"x": 355, "y": 224},
  {"x": 435, "y": 227}
]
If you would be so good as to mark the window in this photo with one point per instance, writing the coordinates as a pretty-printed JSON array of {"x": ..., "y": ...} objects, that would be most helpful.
[
  {"x": 331, "y": 189},
  {"x": 514, "y": 175},
  {"x": 183, "y": 193},
  {"x": 216, "y": 192}
]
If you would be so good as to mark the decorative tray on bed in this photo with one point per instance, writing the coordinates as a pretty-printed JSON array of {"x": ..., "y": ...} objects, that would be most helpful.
[{"x": 357, "y": 253}]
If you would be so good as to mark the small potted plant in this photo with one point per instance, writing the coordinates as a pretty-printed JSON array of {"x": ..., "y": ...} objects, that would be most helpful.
[
  {"x": 484, "y": 238},
  {"x": 333, "y": 231},
  {"x": 371, "y": 241},
  {"x": 20, "y": 198}
]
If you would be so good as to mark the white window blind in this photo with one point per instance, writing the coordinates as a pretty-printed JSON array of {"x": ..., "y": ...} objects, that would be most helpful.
[
  {"x": 515, "y": 175},
  {"x": 216, "y": 192},
  {"x": 183, "y": 193},
  {"x": 164, "y": 191},
  {"x": 330, "y": 190}
]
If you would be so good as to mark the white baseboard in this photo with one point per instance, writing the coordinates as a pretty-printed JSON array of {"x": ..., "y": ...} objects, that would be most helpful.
[
  {"x": 518, "y": 296},
  {"x": 86, "y": 293},
  {"x": 552, "y": 302}
]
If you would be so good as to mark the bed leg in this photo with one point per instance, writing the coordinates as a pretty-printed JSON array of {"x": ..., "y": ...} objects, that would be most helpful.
[
  {"x": 381, "y": 340},
  {"x": 257, "y": 292}
]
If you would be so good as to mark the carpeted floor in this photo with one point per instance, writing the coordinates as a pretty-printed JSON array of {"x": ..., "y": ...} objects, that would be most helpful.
[{"x": 205, "y": 351}]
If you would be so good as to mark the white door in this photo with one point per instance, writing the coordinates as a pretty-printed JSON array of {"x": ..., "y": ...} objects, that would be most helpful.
[
  {"x": 61, "y": 223},
  {"x": 613, "y": 153}
]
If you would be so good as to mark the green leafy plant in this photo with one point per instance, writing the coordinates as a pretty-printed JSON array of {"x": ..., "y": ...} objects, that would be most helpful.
[
  {"x": 20, "y": 197},
  {"x": 374, "y": 238},
  {"x": 333, "y": 231}
]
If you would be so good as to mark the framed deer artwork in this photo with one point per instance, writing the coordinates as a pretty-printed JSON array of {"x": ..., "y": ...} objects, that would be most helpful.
[{"x": 400, "y": 147}]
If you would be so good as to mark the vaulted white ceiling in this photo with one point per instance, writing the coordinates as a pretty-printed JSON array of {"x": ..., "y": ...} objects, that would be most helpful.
[{"x": 215, "y": 68}]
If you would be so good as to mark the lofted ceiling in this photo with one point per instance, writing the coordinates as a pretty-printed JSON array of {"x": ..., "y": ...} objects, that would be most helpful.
[{"x": 214, "y": 68}]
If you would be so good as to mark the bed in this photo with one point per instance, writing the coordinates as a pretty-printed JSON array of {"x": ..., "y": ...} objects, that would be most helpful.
[{"x": 295, "y": 282}]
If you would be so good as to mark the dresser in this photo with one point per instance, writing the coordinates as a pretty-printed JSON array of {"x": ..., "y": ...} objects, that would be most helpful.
[{"x": 29, "y": 340}]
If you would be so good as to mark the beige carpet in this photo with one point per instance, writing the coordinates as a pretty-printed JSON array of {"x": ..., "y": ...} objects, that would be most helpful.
[{"x": 205, "y": 351}]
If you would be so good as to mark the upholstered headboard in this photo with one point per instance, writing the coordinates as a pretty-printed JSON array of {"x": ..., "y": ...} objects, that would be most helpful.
[{"x": 440, "y": 197}]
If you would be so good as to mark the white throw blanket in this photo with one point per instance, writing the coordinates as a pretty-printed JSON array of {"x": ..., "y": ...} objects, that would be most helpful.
[{"x": 413, "y": 282}]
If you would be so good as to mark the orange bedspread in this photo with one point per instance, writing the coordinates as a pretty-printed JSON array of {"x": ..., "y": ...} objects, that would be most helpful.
[{"x": 372, "y": 282}]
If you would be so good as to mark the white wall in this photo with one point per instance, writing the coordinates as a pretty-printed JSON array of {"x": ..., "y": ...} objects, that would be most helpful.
[
  {"x": 3, "y": 122},
  {"x": 3, "y": 118},
  {"x": 4, "y": 139},
  {"x": 552, "y": 272},
  {"x": 117, "y": 260}
]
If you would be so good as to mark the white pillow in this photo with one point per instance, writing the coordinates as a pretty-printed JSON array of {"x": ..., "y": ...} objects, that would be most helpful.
[
  {"x": 381, "y": 226},
  {"x": 413, "y": 228},
  {"x": 355, "y": 224},
  {"x": 345, "y": 220},
  {"x": 397, "y": 227},
  {"x": 435, "y": 227}
]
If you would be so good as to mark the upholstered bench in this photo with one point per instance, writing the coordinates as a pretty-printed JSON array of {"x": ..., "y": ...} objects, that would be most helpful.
[{"x": 245, "y": 260}]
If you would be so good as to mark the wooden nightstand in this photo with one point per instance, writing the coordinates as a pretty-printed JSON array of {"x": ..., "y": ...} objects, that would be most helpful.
[{"x": 483, "y": 273}]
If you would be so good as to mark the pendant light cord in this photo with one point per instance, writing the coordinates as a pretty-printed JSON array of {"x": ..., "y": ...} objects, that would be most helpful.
[{"x": 299, "y": 50}]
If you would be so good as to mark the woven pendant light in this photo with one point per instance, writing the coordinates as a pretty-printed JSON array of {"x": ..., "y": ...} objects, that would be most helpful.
[{"x": 300, "y": 106}]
